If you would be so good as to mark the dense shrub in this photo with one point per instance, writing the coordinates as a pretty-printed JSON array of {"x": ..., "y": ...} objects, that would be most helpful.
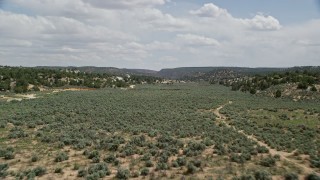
[
  {"x": 268, "y": 161},
  {"x": 123, "y": 174},
  {"x": 30, "y": 174},
  {"x": 291, "y": 176},
  {"x": 314, "y": 89},
  {"x": 17, "y": 132},
  {"x": 149, "y": 163},
  {"x": 277, "y": 94},
  {"x": 94, "y": 154},
  {"x": 181, "y": 161},
  {"x": 129, "y": 150},
  {"x": 34, "y": 158},
  {"x": 2, "y": 124},
  {"x": 7, "y": 153},
  {"x": 94, "y": 176},
  {"x": 61, "y": 156},
  {"x": 162, "y": 166},
  {"x": 3, "y": 170},
  {"x": 220, "y": 149},
  {"x": 76, "y": 166},
  {"x": 315, "y": 161},
  {"x": 174, "y": 164},
  {"x": 194, "y": 149},
  {"x": 253, "y": 91},
  {"x": 116, "y": 162},
  {"x": 241, "y": 158},
  {"x": 302, "y": 85},
  {"x": 262, "y": 175},
  {"x": 312, "y": 177},
  {"x": 31, "y": 125},
  {"x": 152, "y": 133},
  {"x": 112, "y": 143},
  {"x": 58, "y": 170},
  {"x": 246, "y": 177},
  {"x": 110, "y": 159},
  {"x": 82, "y": 173},
  {"x": 138, "y": 141},
  {"x": 191, "y": 169},
  {"x": 207, "y": 142},
  {"x": 277, "y": 157},
  {"x": 144, "y": 172},
  {"x": 146, "y": 157},
  {"x": 101, "y": 170},
  {"x": 163, "y": 159},
  {"x": 39, "y": 171},
  {"x": 196, "y": 163}
]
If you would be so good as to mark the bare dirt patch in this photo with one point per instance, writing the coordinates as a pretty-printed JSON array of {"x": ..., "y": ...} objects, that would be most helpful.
[
  {"x": 76, "y": 89},
  {"x": 18, "y": 97},
  {"x": 70, "y": 89}
]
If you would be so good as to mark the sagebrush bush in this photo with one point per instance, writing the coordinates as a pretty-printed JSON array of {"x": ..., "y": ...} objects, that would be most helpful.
[
  {"x": 61, "y": 156},
  {"x": 268, "y": 161},
  {"x": 291, "y": 176},
  {"x": 123, "y": 174},
  {"x": 144, "y": 172}
]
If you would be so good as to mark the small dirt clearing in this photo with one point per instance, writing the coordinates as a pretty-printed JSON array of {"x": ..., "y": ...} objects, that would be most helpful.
[{"x": 18, "y": 97}]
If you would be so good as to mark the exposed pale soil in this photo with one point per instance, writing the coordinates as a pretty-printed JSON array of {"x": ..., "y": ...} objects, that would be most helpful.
[{"x": 18, "y": 97}]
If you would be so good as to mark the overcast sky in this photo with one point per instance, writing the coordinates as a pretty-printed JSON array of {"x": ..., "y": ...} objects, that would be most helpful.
[{"x": 157, "y": 34}]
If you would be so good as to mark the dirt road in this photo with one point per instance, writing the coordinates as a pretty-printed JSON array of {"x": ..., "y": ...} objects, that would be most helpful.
[{"x": 283, "y": 155}]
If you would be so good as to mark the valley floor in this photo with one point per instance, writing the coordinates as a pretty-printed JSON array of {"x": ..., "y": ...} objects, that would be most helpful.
[{"x": 193, "y": 131}]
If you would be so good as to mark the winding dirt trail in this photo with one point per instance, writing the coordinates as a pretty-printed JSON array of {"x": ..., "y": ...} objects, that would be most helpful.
[{"x": 283, "y": 155}]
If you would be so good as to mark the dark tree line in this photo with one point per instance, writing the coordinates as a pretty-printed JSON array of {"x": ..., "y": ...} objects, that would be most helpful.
[
  {"x": 18, "y": 79},
  {"x": 303, "y": 79}
]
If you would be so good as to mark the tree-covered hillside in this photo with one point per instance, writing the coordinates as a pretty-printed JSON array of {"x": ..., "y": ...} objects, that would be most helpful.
[
  {"x": 108, "y": 70},
  {"x": 303, "y": 79},
  {"x": 22, "y": 79},
  {"x": 205, "y": 73}
]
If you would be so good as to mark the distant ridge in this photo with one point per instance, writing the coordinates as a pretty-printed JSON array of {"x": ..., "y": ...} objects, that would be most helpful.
[
  {"x": 108, "y": 70},
  {"x": 182, "y": 72},
  {"x": 177, "y": 73}
]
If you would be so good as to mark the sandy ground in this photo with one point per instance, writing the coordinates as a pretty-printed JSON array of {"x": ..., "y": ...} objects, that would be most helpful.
[
  {"x": 73, "y": 89},
  {"x": 18, "y": 97}
]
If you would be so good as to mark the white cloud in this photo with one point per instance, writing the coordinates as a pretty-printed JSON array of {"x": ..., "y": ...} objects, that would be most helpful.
[
  {"x": 58, "y": 37},
  {"x": 196, "y": 40},
  {"x": 261, "y": 22},
  {"x": 210, "y": 10},
  {"x": 67, "y": 8},
  {"x": 168, "y": 59},
  {"x": 56, "y": 28},
  {"x": 162, "y": 46},
  {"x": 157, "y": 19},
  {"x": 258, "y": 22},
  {"x": 307, "y": 43},
  {"x": 136, "y": 34},
  {"x": 9, "y": 42},
  {"x": 125, "y": 4}
]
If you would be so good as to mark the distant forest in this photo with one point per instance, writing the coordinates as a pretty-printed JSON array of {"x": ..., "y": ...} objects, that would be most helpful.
[
  {"x": 304, "y": 80},
  {"x": 23, "y": 79}
]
